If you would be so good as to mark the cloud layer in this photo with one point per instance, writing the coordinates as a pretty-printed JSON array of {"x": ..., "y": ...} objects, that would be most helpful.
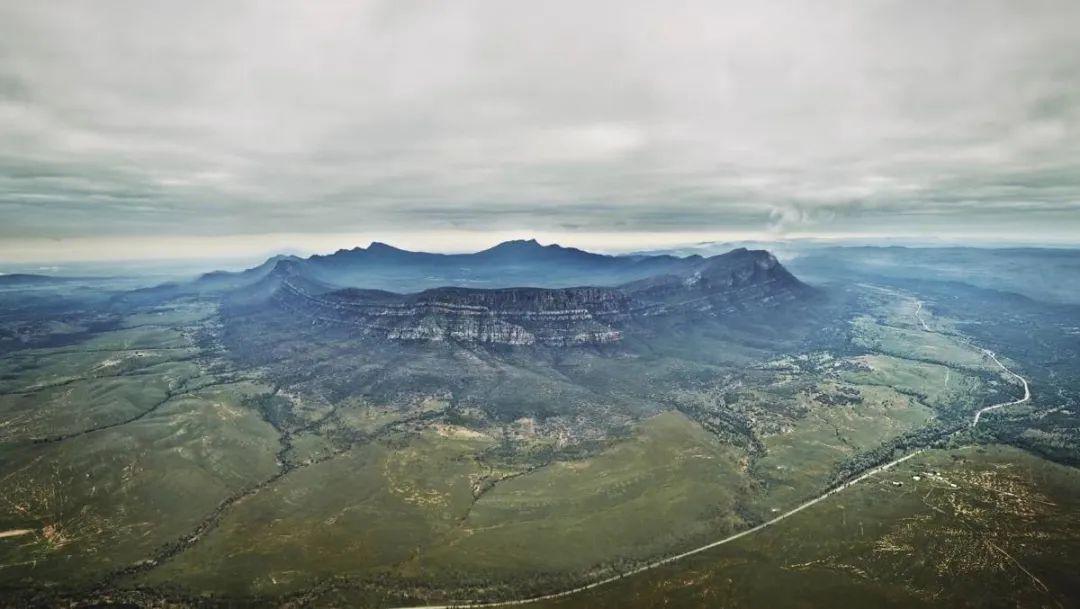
[{"x": 831, "y": 117}]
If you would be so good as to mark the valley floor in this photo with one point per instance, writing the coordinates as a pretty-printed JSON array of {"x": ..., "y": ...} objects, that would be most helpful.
[{"x": 145, "y": 463}]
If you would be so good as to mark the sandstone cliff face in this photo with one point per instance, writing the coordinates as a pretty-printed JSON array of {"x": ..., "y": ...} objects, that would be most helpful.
[
  {"x": 513, "y": 316},
  {"x": 725, "y": 284}
]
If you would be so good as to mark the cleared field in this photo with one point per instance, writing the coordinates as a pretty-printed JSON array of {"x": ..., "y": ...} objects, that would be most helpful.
[
  {"x": 143, "y": 337},
  {"x": 935, "y": 385},
  {"x": 917, "y": 344},
  {"x": 178, "y": 314},
  {"x": 801, "y": 462}
]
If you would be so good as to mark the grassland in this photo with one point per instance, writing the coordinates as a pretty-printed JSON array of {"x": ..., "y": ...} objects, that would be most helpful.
[
  {"x": 409, "y": 506},
  {"x": 365, "y": 509},
  {"x": 101, "y": 501},
  {"x": 993, "y": 527},
  {"x": 89, "y": 403},
  {"x": 670, "y": 484}
]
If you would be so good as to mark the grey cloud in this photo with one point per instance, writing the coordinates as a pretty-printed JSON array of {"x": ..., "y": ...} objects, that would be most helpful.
[{"x": 210, "y": 118}]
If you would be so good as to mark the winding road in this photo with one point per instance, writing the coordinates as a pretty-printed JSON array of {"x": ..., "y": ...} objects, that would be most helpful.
[
  {"x": 1027, "y": 390},
  {"x": 670, "y": 559},
  {"x": 991, "y": 355}
]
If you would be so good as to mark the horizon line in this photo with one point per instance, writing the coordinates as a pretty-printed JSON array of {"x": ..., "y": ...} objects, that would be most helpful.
[{"x": 177, "y": 249}]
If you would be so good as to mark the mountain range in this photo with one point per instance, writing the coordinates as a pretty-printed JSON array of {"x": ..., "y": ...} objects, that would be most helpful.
[
  {"x": 547, "y": 295},
  {"x": 509, "y": 264}
]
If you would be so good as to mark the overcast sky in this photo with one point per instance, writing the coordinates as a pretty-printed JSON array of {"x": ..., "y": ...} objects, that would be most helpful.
[{"x": 181, "y": 127}]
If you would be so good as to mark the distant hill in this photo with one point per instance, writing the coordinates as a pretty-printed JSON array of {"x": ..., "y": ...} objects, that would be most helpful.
[
  {"x": 29, "y": 280},
  {"x": 718, "y": 286},
  {"x": 1045, "y": 274}
]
